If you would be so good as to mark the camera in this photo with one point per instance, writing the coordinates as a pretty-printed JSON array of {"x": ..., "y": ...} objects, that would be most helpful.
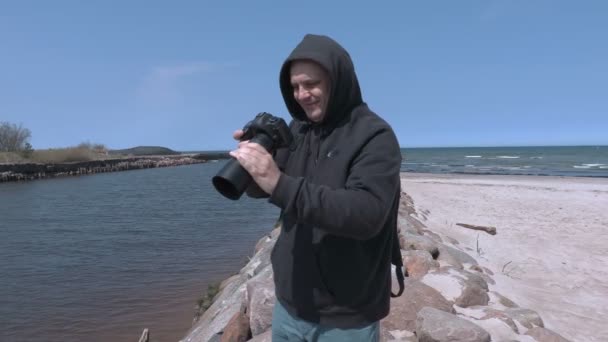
[{"x": 270, "y": 132}]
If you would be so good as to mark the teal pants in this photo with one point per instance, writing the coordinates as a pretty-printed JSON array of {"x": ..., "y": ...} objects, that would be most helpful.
[{"x": 286, "y": 328}]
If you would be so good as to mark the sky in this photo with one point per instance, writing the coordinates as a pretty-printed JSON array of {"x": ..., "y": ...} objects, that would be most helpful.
[{"x": 186, "y": 74}]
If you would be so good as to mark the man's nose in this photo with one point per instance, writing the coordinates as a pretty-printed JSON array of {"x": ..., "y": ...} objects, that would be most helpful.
[{"x": 302, "y": 94}]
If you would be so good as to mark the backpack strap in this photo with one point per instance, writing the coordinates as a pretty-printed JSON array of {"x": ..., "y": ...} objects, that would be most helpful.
[{"x": 398, "y": 262}]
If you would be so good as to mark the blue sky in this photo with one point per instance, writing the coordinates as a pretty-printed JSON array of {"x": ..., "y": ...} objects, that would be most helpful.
[{"x": 185, "y": 74}]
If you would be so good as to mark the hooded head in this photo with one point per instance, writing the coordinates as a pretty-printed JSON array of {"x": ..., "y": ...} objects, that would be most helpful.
[{"x": 318, "y": 81}]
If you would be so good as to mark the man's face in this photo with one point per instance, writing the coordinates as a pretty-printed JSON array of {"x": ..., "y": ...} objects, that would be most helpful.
[{"x": 310, "y": 85}]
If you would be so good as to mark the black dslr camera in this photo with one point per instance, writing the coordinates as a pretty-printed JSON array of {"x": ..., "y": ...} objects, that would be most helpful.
[{"x": 265, "y": 129}]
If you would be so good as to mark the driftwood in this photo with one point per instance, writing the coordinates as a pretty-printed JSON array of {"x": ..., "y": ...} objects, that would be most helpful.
[
  {"x": 145, "y": 336},
  {"x": 489, "y": 230}
]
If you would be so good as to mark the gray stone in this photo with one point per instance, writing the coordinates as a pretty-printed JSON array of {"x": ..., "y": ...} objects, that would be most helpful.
[
  {"x": 410, "y": 241},
  {"x": 459, "y": 287},
  {"x": 237, "y": 329},
  {"x": 404, "y": 308},
  {"x": 228, "y": 302},
  {"x": 418, "y": 263},
  {"x": 526, "y": 317},
  {"x": 434, "y": 325},
  {"x": 261, "y": 297},
  {"x": 496, "y": 299},
  {"x": 454, "y": 257}
]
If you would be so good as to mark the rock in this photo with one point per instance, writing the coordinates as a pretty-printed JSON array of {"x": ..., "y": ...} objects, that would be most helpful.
[
  {"x": 408, "y": 224},
  {"x": 526, "y": 317},
  {"x": 459, "y": 287},
  {"x": 434, "y": 236},
  {"x": 410, "y": 242},
  {"x": 237, "y": 329},
  {"x": 264, "y": 337},
  {"x": 434, "y": 325},
  {"x": 397, "y": 336},
  {"x": 227, "y": 281},
  {"x": 480, "y": 271},
  {"x": 260, "y": 260},
  {"x": 479, "y": 313},
  {"x": 545, "y": 335},
  {"x": 261, "y": 296},
  {"x": 452, "y": 256},
  {"x": 404, "y": 308},
  {"x": 500, "y": 302},
  {"x": 451, "y": 240},
  {"x": 418, "y": 263},
  {"x": 228, "y": 302}
]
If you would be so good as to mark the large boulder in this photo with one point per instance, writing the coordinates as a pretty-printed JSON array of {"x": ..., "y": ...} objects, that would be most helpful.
[
  {"x": 497, "y": 323},
  {"x": 227, "y": 303},
  {"x": 434, "y": 325},
  {"x": 412, "y": 242},
  {"x": 404, "y": 309},
  {"x": 237, "y": 329},
  {"x": 526, "y": 317},
  {"x": 500, "y": 302},
  {"x": 418, "y": 263},
  {"x": 459, "y": 287},
  {"x": 261, "y": 297},
  {"x": 454, "y": 257}
]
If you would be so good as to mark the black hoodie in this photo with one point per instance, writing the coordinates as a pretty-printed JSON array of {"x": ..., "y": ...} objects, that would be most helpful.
[{"x": 339, "y": 195}]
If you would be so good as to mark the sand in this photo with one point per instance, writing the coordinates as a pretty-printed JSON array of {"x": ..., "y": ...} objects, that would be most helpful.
[{"x": 550, "y": 253}]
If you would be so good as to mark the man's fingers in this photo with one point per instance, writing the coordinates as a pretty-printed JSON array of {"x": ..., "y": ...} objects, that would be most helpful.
[{"x": 237, "y": 134}]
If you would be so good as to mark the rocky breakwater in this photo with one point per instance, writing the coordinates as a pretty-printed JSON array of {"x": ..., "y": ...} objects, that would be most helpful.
[
  {"x": 31, "y": 171},
  {"x": 447, "y": 296}
]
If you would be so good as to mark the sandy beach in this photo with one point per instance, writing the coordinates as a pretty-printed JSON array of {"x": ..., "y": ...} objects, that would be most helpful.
[{"x": 550, "y": 253}]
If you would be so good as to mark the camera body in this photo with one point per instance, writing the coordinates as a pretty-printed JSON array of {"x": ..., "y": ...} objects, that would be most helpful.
[{"x": 269, "y": 131}]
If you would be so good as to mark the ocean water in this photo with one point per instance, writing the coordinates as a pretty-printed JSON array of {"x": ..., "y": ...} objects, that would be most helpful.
[
  {"x": 101, "y": 257},
  {"x": 585, "y": 161}
]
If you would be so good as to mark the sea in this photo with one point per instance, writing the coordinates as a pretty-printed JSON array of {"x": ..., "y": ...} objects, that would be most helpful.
[{"x": 101, "y": 257}]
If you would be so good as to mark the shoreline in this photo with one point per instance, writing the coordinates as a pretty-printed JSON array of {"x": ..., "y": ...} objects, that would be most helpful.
[
  {"x": 243, "y": 305},
  {"x": 35, "y": 171},
  {"x": 547, "y": 253}
]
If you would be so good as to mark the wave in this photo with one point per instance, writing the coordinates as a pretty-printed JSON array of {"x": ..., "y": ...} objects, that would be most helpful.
[
  {"x": 589, "y": 166},
  {"x": 508, "y": 157},
  {"x": 472, "y": 156}
]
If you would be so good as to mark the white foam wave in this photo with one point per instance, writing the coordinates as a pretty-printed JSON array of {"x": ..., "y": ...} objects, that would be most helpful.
[
  {"x": 508, "y": 157},
  {"x": 593, "y": 165},
  {"x": 472, "y": 156},
  {"x": 581, "y": 167}
]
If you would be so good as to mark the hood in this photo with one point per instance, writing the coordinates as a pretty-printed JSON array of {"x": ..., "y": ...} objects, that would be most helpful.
[{"x": 344, "y": 94}]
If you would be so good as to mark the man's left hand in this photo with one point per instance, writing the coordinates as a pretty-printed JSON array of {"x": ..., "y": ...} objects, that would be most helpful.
[{"x": 259, "y": 163}]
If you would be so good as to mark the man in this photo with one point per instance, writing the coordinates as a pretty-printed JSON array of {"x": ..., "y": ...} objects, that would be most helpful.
[{"x": 338, "y": 188}]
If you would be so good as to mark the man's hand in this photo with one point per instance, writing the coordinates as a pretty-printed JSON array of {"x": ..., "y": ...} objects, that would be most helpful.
[{"x": 258, "y": 162}]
